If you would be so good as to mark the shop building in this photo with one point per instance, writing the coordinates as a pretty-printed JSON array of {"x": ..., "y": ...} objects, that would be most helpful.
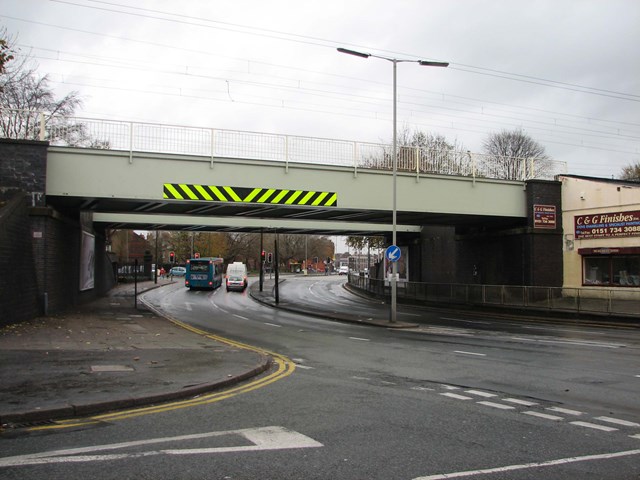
[{"x": 601, "y": 223}]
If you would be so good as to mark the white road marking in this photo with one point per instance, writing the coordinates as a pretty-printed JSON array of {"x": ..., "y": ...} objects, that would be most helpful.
[
  {"x": 449, "y": 387},
  {"x": 616, "y": 421},
  {"x": 188, "y": 305},
  {"x": 594, "y": 426},
  {"x": 272, "y": 324},
  {"x": 470, "y": 353},
  {"x": 240, "y": 316},
  {"x": 524, "y": 466},
  {"x": 584, "y": 343},
  {"x": 635, "y": 436},
  {"x": 456, "y": 396},
  {"x": 359, "y": 339},
  {"x": 519, "y": 402},
  {"x": 481, "y": 394},
  {"x": 422, "y": 389},
  {"x": 305, "y": 367},
  {"x": 266, "y": 438},
  {"x": 466, "y": 321},
  {"x": 543, "y": 415},
  {"x": 565, "y": 410},
  {"x": 361, "y": 378},
  {"x": 497, "y": 405}
]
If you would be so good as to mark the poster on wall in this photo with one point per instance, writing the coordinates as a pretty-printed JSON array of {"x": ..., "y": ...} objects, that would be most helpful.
[
  {"x": 607, "y": 225},
  {"x": 403, "y": 266},
  {"x": 87, "y": 261}
]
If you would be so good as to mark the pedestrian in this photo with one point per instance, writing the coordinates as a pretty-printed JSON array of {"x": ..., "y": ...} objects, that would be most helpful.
[{"x": 162, "y": 272}]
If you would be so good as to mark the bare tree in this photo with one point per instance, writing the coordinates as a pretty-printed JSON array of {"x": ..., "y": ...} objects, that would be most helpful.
[
  {"x": 513, "y": 155},
  {"x": 6, "y": 50},
  {"x": 28, "y": 104},
  {"x": 631, "y": 172}
]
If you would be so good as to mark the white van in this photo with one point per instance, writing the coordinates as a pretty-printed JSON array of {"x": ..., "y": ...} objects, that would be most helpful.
[{"x": 236, "y": 277}]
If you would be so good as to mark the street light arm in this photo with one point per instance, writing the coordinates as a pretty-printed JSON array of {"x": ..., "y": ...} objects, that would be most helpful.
[
  {"x": 425, "y": 63},
  {"x": 353, "y": 52}
]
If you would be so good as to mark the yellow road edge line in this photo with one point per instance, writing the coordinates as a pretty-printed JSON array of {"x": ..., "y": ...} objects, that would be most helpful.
[{"x": 285, "y": 367}]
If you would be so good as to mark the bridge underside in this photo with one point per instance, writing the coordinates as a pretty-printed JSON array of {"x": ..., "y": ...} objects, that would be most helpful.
[{"x": 213, "y": 216}]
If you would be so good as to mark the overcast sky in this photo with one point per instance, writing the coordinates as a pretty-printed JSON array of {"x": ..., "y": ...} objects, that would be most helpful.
[{"x": 565, "y": 71}]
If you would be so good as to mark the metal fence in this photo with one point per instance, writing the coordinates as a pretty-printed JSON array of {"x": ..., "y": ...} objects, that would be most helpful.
[
  {"x": 619, "y": 302},
  {"x": 219, "y": 143}
]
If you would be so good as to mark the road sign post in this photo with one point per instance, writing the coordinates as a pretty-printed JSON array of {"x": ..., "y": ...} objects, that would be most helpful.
[{"x": 393, "y": 254}]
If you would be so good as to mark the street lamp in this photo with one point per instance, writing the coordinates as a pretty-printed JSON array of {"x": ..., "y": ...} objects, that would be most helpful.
[{"x": 394, "y": 160}]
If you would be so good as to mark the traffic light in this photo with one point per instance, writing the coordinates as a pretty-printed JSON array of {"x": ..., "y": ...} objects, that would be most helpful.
[
  {"x": 172, "y": 257},
  {"x": 196, "y": 255},
  {"x": 262, "y": 256},
  {"x": 270, "y": 257}
]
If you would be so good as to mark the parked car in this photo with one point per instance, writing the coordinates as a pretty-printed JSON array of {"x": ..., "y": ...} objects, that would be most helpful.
[
  {"x": 343, "y": 270},
  {"x": 178, "y": 271}
]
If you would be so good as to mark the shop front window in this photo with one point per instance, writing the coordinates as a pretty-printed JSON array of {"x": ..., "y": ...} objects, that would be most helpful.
[
  {"x": 626, "y": 270},
  {"x": 616, "y": 270}
]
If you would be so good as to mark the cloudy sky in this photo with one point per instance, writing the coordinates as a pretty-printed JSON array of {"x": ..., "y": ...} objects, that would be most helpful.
[{"x": 565, "y": 71}]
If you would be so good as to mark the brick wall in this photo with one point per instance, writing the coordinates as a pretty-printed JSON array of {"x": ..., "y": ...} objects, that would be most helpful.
[
  {"x": 19, "y": 293},
  {"x": 23, "y": 167},
  {"x": 39, "y": 246}
]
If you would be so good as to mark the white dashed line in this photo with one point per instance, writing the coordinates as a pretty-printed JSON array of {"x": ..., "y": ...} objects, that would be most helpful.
[
  {"x": 273, "y": 325},
  {"x": 361, "y": 378},
  {"x": 470, "y": 353},
  {"x": 305, "y": 367},
  {"x": 497, "y": 405},
  {"x": 526, "y": 466},
  {"x": 422, "y": 389},
  {"x": 565, "y": 411},
  {"x": 449, "y": 387},
  {"x": 240, "y": 316},
  {"x": 543, "y": 415},
  {"x": 616, "y": 421},
  {"x": 635, "y": 436},
  {"x": 481, "y": 394},
  {"x": 519, "y": 402},
  {"x": 456, "y": 396},
  {"x": 359, "y": 339},
  {"x": 594, "y": 426}
]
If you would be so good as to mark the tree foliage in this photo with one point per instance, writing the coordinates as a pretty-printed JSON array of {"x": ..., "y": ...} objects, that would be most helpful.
[
  {"x": 510, "y": 154},
  {"x": 631, "y": 172}
]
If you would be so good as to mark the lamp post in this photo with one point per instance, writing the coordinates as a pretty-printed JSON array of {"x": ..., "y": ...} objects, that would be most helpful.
[{"x": 394, "y": 160}]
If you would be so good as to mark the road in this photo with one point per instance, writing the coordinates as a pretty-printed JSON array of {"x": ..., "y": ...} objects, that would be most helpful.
[{"x": 494, "y": 398}]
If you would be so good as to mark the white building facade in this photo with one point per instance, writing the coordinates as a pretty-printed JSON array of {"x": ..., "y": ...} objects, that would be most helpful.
[{"x": 601, "y": 228}]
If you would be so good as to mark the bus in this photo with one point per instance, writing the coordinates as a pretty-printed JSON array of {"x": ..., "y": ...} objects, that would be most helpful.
[{"x": 204, "y": 273}]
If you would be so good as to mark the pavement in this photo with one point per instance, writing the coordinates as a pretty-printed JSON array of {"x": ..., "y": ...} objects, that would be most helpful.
[{"x": 109, "y": 355}]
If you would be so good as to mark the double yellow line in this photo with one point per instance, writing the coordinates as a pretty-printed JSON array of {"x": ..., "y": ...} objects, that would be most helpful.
[{"x": 284, "y": 368}]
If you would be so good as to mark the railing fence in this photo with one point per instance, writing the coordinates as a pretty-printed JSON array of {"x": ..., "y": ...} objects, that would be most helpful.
[
  {"x": 625, "y": 302},
  {"x": 216, "y": 143}
]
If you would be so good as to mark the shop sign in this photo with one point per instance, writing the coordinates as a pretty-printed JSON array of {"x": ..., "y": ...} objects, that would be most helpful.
[
  {"x": 607, "y": 225},
  {"x": 544, "y": 216}
]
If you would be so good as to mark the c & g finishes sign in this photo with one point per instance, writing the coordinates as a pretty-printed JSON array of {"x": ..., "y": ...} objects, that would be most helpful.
[{"x": 605, "y": 225}]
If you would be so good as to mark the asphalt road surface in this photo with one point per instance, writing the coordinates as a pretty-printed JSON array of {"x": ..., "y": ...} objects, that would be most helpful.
[{"x": 456, "y": 397}]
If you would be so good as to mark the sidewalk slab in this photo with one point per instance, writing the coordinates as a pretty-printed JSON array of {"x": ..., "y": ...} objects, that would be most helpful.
[{"x": 109, "y": 355}]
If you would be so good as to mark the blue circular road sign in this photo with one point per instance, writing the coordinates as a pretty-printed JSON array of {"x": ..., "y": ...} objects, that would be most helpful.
[{"x": 392, "y": 253}]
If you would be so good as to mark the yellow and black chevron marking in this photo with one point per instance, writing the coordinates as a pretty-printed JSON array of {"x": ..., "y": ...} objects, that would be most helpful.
[{"x": 183, "y": 191}]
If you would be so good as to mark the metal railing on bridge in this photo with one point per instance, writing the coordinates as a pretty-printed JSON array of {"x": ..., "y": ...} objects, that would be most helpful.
[
  {"x": 218, "y": 143},
  {"x": 618, "y": 302}
]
